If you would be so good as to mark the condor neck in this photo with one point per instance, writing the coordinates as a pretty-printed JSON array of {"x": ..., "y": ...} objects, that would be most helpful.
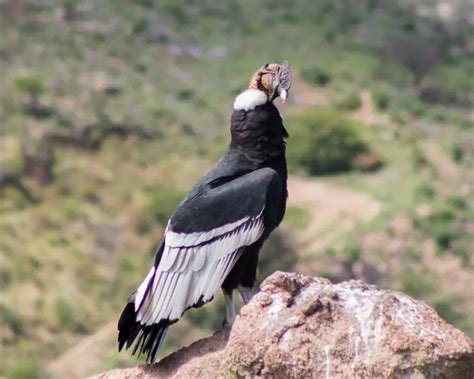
[{"x": 258, "y": 135}]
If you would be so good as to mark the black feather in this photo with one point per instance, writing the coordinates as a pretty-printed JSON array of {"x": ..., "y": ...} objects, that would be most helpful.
[
  {"x": 127, "y": 326},
  {"x": 148, "y": 338}
]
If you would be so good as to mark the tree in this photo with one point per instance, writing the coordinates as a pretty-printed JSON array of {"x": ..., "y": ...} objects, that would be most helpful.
[
  {"x": 419, "y": 55},
  {"x": 32, "y": 86}
]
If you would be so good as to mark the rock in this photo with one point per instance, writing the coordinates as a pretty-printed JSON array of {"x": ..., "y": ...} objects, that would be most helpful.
[
  {"x": 298, "y": 327},
  {"x": 200, "y": 360}
]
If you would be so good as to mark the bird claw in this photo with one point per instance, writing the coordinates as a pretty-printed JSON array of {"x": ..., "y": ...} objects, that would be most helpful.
[{"x": 228, "y": 322}]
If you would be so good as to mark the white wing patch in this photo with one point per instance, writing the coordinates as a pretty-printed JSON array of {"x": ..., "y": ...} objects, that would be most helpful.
[
  {"x": 192, "y": 269},
  {"x": 191, "y": 239}
]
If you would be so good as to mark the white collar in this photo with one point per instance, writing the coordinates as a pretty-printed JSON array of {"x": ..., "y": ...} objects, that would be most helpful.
[{"x": 250, "y": 99}]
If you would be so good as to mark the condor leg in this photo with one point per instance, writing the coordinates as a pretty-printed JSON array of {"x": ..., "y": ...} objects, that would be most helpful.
[{"x": 230, "y": 313}]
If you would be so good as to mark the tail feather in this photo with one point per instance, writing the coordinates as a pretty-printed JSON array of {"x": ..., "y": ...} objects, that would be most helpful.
[
  {"x": 148, "y": 337},
  {"x": 127, "y": 326}
]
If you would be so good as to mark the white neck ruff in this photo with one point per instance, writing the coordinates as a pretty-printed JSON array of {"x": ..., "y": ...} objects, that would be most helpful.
[{"x": 250, "y": 99}]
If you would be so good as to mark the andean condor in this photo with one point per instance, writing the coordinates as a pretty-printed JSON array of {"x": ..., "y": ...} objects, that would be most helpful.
[{"x": 214, "y": 236}]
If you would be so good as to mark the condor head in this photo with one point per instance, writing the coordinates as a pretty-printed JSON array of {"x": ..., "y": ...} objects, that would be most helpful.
[{"x": 274, "y": 79}]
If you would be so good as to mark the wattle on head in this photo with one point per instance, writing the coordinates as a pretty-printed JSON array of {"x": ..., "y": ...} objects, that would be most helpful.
[{"x": 269, "y": 82}]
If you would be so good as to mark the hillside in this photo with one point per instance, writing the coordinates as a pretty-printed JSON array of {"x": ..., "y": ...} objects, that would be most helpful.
[{"x": 110, "y": 111}]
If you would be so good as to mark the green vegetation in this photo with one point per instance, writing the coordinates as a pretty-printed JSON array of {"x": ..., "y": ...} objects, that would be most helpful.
[
  {"x": 11, "y": 319},
  {"x": 297, "y": 218},
  {"x": 417, "y": 284},
  {"x": 382, "y": 98},
  {"x": 161, "y": 203},
  {"x": 30, "y": 85},
  {"x": 447, "y": 224},
  {"x": 66, "y": 316},
  {"x": 110, "y": 111},
  {"x": 316, "y": 75},
  {"x": 448, "y": 307},
  {"x": 350, "y": 102},
  {"x": 24, "y": 368},
  {"x": 324, "y": 142}
]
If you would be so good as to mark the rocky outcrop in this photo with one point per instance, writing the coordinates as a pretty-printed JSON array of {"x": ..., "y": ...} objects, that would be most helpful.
[{"x": 299, "y": 327}]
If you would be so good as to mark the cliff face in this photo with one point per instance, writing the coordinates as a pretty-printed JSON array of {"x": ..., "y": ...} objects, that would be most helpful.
[{"x": 298, "y": 326}]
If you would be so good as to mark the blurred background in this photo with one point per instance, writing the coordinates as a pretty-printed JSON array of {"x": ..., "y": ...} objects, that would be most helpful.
[{"x": 111, "y": 110}]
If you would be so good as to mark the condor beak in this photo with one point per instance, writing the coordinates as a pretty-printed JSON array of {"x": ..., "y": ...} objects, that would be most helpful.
[{"x": 283, "y": 93}]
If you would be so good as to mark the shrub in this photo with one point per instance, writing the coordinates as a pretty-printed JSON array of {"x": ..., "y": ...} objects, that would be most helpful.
[
  {"x": 11, "y": 319},
  {"x": 31, "y": 85},
  {"x": 417, "y": 284},
  {"x": 449, "y": 309},
  {"x": 457, "y": 153},
  {"x": 397, "y": 102},
  {"x": 382, "y": 98},
  {"x": 24, "y": 368},
  {"x": 162, "y": 202},
  {"x": 352, "y": 254},
  {"x": 445, "y": 225},
  {"x": 65, "y": 314},
  {"x": 350, "y": 102},
  {"x": 425, "y": 191},
  {"x": 457, "y": 202},
  {"x": 185, "y": 94},
  {"x": 324, "y": 141},
  {"x": 316, "y": 75}
]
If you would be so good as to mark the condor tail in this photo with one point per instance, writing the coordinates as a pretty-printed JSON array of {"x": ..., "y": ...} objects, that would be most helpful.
[{"x": 149, "y": 338}]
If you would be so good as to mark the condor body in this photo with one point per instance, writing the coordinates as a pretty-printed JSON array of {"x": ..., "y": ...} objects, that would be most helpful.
[{"x": 214, "y": 237}]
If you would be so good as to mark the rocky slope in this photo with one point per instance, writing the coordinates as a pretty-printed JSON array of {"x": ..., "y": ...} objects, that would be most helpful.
[{"x": 298, "y": 326}]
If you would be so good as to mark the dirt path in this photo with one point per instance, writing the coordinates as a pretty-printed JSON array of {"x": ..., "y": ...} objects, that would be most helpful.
[
  {"x": 368, "y": 114},
  {"x": 332, "y": 210},
  {"x": 450, "y": 176}
]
